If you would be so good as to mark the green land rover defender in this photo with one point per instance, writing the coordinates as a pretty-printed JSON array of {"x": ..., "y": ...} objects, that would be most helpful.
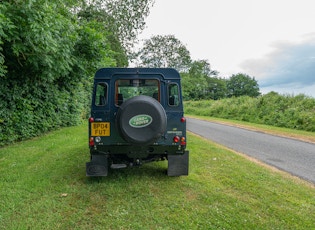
[{"x": 137, "y": 117}]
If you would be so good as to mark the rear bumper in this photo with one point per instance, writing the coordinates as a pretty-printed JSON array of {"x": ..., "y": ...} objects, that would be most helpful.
[{"x": 135, "y": 151}]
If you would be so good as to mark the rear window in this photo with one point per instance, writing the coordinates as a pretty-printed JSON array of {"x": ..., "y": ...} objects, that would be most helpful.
[
  {"x": 128, "y": 88},
  {"x": 173, "y": 94},
  {"x": 101, "y": 94}
]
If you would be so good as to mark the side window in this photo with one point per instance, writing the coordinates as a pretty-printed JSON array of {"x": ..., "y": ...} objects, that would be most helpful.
[
  {"x": 173, "y": 94},
  {"x": 101, "y": 94}
]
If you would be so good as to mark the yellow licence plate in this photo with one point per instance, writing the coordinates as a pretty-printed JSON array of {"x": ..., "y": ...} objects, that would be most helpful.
[{"x": 100, "y": 129}]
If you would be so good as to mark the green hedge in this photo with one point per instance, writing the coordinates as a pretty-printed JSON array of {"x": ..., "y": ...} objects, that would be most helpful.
[
  {"x": 30, "y": 110},
  {"x": 47, "y": 62},
  {"x": 295, "y": 112}
]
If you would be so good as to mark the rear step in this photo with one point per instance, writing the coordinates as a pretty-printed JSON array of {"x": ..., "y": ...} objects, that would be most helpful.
[{"x": 118, "y": 166}]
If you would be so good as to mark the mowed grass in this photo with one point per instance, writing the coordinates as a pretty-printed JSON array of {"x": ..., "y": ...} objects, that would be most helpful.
[{"x": 43, "y": 186}]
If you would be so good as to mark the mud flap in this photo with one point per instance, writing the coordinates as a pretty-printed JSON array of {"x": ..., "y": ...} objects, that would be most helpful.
[
  {"x": 98, "y": 166},
  {"x": 178, "y": 164}
]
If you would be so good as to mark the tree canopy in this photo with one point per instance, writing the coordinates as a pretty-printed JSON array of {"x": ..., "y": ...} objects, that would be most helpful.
[
  {"x": 241, "y": 85},
  {"x": 197, "y": 81},
  {"x": 165, "y": 51},
  {"x": 124, "y": 19}
]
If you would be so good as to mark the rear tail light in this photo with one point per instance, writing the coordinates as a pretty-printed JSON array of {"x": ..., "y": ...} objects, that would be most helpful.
[
  {"x": 183, "y": 119},
  {"x": 176, "y": 139},
  {"x": 182, "y": 141},
  {"x": 91, "y": 141}
]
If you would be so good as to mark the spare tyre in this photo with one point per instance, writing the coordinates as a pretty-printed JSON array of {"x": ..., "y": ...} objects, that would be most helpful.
[{"x": 141, "y": 120}]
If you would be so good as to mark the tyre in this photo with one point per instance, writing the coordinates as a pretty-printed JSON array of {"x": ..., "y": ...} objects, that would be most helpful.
[{"x": 141, "y": 120}]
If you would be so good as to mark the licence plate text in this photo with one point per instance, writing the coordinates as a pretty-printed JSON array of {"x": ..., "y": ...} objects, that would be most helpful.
[{"x": 100, "y": 129}]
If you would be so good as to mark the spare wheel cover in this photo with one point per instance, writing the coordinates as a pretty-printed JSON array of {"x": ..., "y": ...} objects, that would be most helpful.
[{"x": 141, "y": 120}]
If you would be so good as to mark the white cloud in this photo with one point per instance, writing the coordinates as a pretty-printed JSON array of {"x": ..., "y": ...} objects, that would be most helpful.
[{"x": 290, "y": 66}]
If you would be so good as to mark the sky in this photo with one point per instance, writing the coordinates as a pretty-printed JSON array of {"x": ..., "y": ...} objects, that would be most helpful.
[{"x": 271, "y": 40}]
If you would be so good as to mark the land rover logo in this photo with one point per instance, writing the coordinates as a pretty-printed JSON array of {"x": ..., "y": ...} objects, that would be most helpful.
[{"x": 140, "y": 121}]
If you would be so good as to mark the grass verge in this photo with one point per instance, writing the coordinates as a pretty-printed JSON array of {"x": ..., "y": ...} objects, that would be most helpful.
[{"x": 43, "y": 186}]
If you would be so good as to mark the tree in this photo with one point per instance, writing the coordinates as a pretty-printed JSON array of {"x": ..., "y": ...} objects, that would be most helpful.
[
  {"x": 201, "y": 82},
  {"x": 123, "y": 19},
  {"x": 39, "y": 43},
  {"x": 43, "y": 40},
  {"x": 202, "y": 67},
  {"x": 242, "y": 84},
  {"x": 216, "y": 88},
  {"x": 165, "y": 51},
  {"x": 129, "y": 18},
  {"x": 4, "y": 23},
  {"x": 195, "y": 82}
]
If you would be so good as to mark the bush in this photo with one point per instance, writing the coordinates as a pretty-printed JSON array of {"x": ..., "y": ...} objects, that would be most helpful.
[
  {"x": 32, "y": 110},
  {"x": 295, "y": 112},
  {"x": 47, "y": 61}
]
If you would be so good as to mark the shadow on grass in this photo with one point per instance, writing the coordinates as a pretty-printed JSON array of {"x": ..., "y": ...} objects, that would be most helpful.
[{"x": 153, "y": 170}]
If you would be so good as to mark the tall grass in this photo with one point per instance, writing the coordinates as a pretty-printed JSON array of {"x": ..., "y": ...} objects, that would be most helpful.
[
  {"x": 294, "y": 112},
  {"x": 43, "y": 186}
]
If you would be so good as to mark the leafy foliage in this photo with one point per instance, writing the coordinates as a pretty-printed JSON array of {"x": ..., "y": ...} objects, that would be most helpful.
[
  {"x": 41, "y": 42},
  {"x": 201, "y": 82},
  {"x": 294, "y": 112},
  {"x": 165, "y": 51},
  {"x": 198, "y": 85},
  {"x": 95, "y": 15},
  {"x": 216, "y": 88},
  {"x": 48, "y": 56},
  {"x": 4, "y": 23},
  {"x": 129, "y": 16},
  {"x": 37, "y": 92},
  {"x": 242, "y": 84},
  {"x": 122, "y": 18}
]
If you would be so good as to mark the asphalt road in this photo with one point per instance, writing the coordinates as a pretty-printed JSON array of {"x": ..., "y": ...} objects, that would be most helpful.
[{"x": 293, "y": 156}]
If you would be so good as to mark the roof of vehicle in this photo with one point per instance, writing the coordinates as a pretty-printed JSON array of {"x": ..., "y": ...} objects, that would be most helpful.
[{"x": 107, "y": 73}]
